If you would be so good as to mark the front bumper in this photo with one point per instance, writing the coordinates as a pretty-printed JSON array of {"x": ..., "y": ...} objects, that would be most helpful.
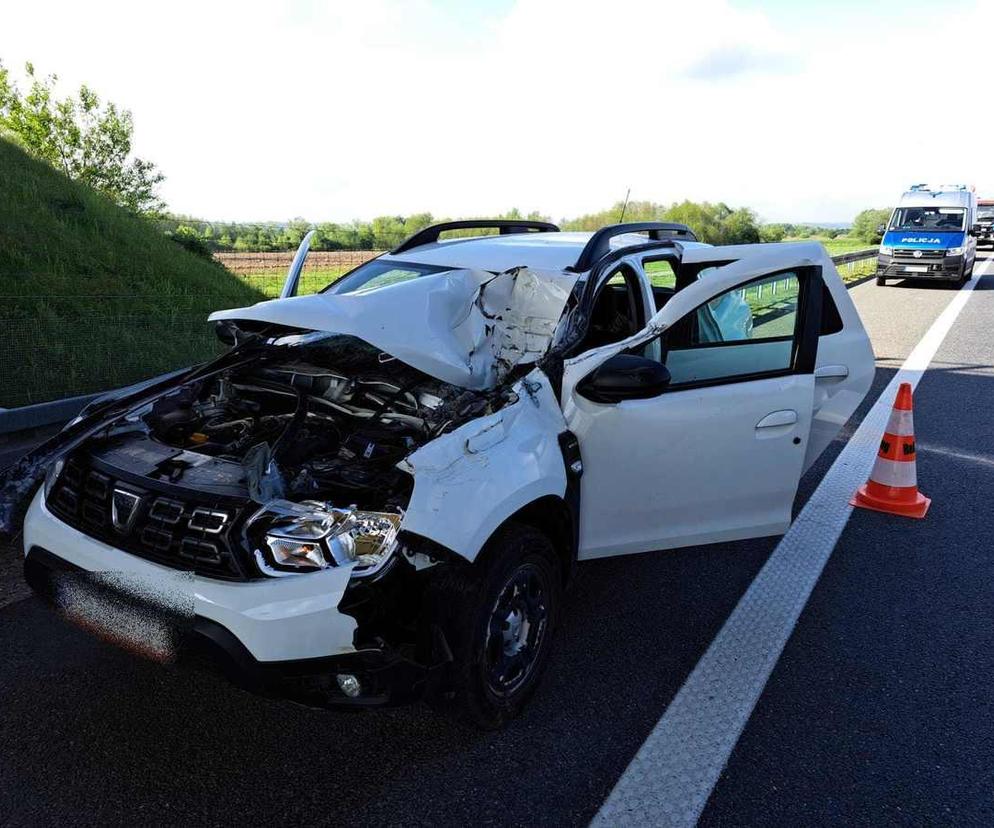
[
  {"x": 906, "y": 267},
  {"x": 280, "y": 636}
]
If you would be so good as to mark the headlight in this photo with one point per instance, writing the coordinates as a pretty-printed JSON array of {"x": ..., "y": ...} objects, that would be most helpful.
[
  {"x": 886, "y": 251},
  {"x": 311, "y": 536},
  {"x": 956, "y": 251},
  {"x": 52, "y": 475}
]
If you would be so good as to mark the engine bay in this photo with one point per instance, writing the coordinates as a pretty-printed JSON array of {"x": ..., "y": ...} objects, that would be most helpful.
[{"x": 327, "y": 420}]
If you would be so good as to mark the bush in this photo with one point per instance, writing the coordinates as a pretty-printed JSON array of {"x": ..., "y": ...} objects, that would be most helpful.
[{"x": 190, "y": 239}]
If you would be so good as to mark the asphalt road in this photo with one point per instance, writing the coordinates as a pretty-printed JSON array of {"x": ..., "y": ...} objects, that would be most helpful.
[{"x": 878, "y": 712}]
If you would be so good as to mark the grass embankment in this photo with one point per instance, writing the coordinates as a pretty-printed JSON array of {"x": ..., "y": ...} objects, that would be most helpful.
[{"x": 91, "y": 296}]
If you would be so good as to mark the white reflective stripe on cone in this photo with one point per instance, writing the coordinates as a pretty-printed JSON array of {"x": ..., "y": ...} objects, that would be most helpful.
[
  {"x": 894, "y": 473},
  {"x": 901, "y": 423}
]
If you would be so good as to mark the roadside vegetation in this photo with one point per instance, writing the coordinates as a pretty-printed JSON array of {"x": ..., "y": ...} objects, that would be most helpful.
[{"x": 93, "y": 296}]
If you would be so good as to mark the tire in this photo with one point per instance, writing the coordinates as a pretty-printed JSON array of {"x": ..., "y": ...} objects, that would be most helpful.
[
  {"x": 881, "y": 281},
  {"x": 498, "y": 616}
]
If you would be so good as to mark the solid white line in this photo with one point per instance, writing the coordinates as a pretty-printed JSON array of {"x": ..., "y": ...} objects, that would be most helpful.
[{"x": 669, "y": 780}]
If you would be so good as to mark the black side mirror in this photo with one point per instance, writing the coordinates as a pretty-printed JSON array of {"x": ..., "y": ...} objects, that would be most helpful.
[
  {"x": 975, "y": 230},
  {"x": 625, "y": 377},
  {"x": 881, "y": 229}
]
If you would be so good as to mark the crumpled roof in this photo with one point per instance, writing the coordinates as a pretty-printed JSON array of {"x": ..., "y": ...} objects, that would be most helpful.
[{"x": 465, "y": 327}]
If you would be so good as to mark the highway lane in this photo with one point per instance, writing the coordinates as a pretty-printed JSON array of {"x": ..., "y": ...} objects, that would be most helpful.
[
  {"x": 879, "y": 710},
  {"x": 122, "y": 740}
]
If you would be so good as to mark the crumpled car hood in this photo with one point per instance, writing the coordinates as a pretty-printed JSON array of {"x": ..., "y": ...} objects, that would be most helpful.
[{"x": 465, "y": 327}]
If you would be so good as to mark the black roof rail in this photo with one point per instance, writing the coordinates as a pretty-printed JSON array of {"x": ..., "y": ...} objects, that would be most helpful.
[
  {"x": 431, "y": 233},
  {"x": 600, "y": 243}
]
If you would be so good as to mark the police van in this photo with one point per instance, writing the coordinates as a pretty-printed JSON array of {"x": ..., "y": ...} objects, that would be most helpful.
[
  {"x": 931, "y": 235},
  {"x": 985, "y": 222}
]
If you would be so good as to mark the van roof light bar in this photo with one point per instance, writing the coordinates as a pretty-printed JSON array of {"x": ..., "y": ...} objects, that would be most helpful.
[
  {"x": 505, "y": 226},
  {"x": 600, "y": 243}
]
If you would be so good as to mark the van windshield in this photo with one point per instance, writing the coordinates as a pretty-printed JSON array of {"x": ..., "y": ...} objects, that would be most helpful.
[
  {"x": 941, "y": 219},
  {"x": 985, "y": 213}
]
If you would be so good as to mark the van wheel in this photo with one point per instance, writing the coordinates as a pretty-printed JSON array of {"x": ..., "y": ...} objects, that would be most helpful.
[
  {"x": 498, "y": 616},
  {"x": 881, "y": 281}
]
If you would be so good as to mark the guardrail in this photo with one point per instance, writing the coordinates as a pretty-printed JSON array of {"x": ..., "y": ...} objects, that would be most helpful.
[{"x": 187, "y": 313}]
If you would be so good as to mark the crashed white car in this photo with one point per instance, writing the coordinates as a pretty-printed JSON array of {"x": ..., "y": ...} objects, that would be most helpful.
[{"x": 380, "y": 491}]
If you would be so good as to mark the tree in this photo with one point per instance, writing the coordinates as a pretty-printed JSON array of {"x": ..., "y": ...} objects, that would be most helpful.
[
  {"x": 772, "y": 233},
  {"x": 89, "y": 141},
  {"x": 865, "y": 225}
]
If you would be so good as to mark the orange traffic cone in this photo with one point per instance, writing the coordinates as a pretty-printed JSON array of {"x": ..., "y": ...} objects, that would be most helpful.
[{"x": 893, "y": 483}]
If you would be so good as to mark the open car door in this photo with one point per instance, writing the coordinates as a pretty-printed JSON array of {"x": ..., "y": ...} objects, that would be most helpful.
[{"x": 715, "y": 451}]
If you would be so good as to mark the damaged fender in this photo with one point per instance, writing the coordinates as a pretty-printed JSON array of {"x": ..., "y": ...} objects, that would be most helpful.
[{"x": 467, "y": 483}]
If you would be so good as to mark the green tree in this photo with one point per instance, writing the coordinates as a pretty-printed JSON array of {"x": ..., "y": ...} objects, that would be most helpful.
[
  {"x": 865, "y": 225},
  {"x": 89, "y": 141},
  {"x": 772, "y": 233}
]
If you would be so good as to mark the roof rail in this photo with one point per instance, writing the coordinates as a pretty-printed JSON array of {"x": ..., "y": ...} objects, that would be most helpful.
[
  {"x": 432, "y": 232},
  {"x": 600, "y": 243}
]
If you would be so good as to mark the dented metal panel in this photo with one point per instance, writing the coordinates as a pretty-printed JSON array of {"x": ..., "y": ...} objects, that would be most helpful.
[
  {"x": 465, "y": 327},
  {"x": 469, "y": 481}
]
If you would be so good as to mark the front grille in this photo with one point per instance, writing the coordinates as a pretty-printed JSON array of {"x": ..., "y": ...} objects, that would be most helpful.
[
  {"x": 909, "y": 253},
  {"x": 199, "y": 535}
]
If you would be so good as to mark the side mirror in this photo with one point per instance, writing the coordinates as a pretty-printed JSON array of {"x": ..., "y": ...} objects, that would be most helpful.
[
  {"x": 975, "y": 230},
  {"x": 881, "y": 229},
  {"x": 625, "y": 377}
]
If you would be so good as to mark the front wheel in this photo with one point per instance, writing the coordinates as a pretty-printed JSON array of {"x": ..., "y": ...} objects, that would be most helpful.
[
  {"x": 881, "y": 281},
  {"x": 498, "y": 616}
]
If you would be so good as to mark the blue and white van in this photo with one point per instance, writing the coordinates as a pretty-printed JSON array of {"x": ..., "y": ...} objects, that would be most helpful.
[{"x": 930, "y": 235}]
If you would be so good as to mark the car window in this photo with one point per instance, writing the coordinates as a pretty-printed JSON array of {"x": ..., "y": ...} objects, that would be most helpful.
[
  {"x": 379, "y": 273},
  {"x": 748, "y": 330},
  {"x": 660, "y": 274}
]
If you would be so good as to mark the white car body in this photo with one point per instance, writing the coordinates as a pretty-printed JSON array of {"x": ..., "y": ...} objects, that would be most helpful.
[{"x": 714, "y": 461}]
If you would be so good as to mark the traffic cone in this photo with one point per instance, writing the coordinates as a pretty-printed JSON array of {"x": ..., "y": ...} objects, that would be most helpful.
[{"x": 893, "y": 483}]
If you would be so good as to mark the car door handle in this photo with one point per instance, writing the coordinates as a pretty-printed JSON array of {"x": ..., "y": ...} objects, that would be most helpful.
[
  {"x": 778, "y": 418},
  {"x": 832, "y": 372}
]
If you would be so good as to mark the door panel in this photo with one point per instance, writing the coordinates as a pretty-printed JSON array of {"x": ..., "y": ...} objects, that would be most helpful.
[
  {"x": 690, "y": 466},
  {"x": 843, "y": 371},
  {"x": 844, "y": 343},
  {"x": 718, "y": 455}
]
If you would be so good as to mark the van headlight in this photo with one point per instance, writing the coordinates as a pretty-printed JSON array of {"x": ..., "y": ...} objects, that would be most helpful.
[
  {"x": 885, "y": 250},
  {"x": 956, "y": 251},
  {"x": 311, "y": 536}
]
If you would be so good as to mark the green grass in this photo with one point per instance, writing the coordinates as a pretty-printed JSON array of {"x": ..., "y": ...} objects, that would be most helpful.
[
  {"x": 838, "y": 245},
  {"x": 270, "y": 282},
  {"x": 91, "y": 296}
]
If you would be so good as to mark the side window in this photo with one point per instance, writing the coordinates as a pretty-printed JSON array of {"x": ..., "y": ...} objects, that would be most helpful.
[
  {"x": 749, "y": 330},
  {"x": 660, "y": 273}
]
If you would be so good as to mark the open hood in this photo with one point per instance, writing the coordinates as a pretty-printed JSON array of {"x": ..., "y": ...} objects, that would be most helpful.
[{"x": 465, "y": 327}]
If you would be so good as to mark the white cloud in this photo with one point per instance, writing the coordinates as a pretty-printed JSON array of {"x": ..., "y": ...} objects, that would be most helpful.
[{"x": 339, "y": 110}]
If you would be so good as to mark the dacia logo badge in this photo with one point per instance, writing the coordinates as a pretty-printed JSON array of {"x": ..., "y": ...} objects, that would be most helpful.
[
  {"x": 123, "y": 509},
  {"x": 917, "y": 254}
]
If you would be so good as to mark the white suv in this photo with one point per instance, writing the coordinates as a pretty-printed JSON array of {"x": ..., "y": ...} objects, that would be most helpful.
[{"x": 381, "y": 490}]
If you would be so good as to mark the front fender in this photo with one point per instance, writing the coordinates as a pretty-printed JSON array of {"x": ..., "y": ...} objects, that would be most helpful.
[{"x": 471, "y": 480}]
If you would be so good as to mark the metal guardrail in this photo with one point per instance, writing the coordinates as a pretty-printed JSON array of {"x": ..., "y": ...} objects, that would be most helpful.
[{"x": 855, "y": 256}]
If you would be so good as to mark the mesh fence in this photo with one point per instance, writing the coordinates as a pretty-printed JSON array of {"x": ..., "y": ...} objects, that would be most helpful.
[{"x": 57, "y": 346}]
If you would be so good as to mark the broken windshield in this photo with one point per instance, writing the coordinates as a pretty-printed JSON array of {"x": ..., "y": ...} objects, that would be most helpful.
[{"x": 378, "y": 273}]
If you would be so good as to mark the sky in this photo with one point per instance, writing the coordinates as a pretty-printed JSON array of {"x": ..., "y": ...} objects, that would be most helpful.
[{"x": 332, "y": 111}]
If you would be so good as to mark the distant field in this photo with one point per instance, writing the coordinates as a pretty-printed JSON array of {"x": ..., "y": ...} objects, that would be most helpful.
[
  {"x": 265, "y": 272},
  {"x": 839, "y": 245}
]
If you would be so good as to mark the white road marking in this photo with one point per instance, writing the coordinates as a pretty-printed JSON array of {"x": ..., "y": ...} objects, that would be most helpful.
[{"x": 669, "y": 780}]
